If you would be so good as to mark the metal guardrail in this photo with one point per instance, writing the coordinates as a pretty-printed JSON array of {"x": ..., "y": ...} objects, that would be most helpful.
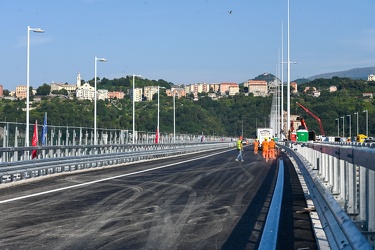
[
  {"x": 341, "y": 183},
  {"x": 59, "y": 159},
  {"x": 270, "y": 232}
]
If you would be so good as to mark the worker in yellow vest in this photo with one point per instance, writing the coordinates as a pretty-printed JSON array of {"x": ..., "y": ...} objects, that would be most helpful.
[{"x": 239, "y": 149}]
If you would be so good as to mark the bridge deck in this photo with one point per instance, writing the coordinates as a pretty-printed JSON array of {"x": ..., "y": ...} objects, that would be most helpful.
[{"x": 206, "y": 203}]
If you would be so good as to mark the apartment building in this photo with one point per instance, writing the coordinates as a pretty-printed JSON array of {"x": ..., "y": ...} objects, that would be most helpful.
[
  {"x": 149, "y": 92},
  {"x": 138, "y": 92},
  {"x": 224, "y": 88},
  {"x": 116, "y": 94},
  {"x": 21, "y": 92},
  {"x": 257, "y": 87},
  {"x": 178, "y": 92}
]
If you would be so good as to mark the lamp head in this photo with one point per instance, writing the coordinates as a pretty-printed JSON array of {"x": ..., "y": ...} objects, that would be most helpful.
[
  {"x": 101, "y": 59},
  {"x": 37, "y": 30}
]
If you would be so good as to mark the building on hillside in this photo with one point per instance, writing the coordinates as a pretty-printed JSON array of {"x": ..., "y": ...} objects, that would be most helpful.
[
  {"x": 149, "y": 92},
  {"x": 332, "y": 89},
  {"x": 371, "y": 77},
  {"x": 102, "y": 94},
  {"x": 178, "y": 92},
  {"x": 71, "y": 88},
  {"x": 138, "y": 92},
  {"x": 214, "y": 87},
  {"x": 233, "y": 90},
  {"x": 224, "y": 87},
  {"x": 21, "y": 92},
  {"x": 116, "y": 94},
  {"x": 257, "y": 87},
  {"x": 197, "y": 88},
  {"x": 1, "y": 90},
  {"x": 85, "y": 92},
  {"x": 294, "y": 86},
  {"x": 316, "y": 93},
  {"x": 367, "y": 95}
]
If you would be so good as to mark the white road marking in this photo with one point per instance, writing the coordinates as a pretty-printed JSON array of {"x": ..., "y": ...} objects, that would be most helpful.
[{"x": 106, "y": 179}]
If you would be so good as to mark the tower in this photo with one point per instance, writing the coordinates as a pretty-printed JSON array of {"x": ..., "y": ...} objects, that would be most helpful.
[{"x": 79, "y": 80}]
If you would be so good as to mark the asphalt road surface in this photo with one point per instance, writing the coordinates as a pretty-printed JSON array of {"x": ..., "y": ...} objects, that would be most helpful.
[{"x": 200, "y": 201}]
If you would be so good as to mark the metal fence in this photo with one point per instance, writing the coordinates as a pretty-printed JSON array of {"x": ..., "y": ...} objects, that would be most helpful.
[
  {"x": 15, "y": 165},
  {"x": 13, "y": 135},
  {"x": 341, "y": 181}
]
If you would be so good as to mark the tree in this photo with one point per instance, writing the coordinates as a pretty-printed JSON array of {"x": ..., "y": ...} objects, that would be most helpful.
[{"x": 45, "y": 89}]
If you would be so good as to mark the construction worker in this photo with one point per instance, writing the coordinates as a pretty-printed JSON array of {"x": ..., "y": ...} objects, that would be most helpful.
[
  {"x": 239, "y": 149},
  {"x": 272, "y": 149},
  {"x": 265, "y": 149},
  {"x": 256, "y": 146}
]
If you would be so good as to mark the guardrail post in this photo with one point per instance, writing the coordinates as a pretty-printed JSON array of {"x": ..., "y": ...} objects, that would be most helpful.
[
  {"x": 352, "y": 189},
  {"x": 342, "y": 181},
  {"x": 371, "y": 205},
  {"x": 362, "y": 193}
]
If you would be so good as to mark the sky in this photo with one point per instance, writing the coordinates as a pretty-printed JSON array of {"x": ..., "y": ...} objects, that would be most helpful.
[{"x": 182, "y": 41}]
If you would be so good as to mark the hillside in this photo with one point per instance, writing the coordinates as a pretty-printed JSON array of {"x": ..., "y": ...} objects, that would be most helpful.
[{"x": 356, "y": 73}]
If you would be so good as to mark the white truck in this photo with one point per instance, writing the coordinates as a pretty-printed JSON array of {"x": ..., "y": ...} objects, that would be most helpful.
[{"x": 263, "y": 133}]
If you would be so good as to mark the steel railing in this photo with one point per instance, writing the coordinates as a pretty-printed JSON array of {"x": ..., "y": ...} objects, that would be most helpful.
[
  {"x": 59, "y": 159},
  {"x": 341, "y": 182}
]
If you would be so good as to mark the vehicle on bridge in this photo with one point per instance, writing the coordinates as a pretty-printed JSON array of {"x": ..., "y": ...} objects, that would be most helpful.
[{"x": 263, "y": 133}]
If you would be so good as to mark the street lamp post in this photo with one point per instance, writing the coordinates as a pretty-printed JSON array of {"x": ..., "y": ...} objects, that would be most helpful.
[
  {"x": 95, "y": 96},
  {"x": 366, "y": 111},
  {"x": 350, "y": 127},
  {"x": 134, "y": 108},
  {"x": 338, "y": 126},
  {"x": 37, "y": 30},
  {"x": 174, "y": 117},
  {"x": 157, "y": 128},
  {"x": 356, "y": 113},
  {"x": 343, "y": 126}
]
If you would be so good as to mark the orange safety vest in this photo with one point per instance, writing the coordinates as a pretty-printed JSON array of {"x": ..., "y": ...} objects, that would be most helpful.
[{"x": 265, "y": 145}]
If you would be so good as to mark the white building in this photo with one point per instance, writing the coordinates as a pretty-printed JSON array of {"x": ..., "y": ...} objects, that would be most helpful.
[
  {"x": 85, "y": 92},
  {"x": 371, "y": 77},
  {"x": 102, "y": 94},
  {"x": 137, "y": 94},
  {"x": 150, "y": 91}
]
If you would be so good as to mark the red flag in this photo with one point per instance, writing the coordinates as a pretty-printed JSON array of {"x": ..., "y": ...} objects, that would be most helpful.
[
  {"x": 34, "y": 142},
  {"x": 157, "y": 136}
]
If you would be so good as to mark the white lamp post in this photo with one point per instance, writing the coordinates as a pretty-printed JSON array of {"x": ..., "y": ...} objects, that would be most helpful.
[
  {"x": 37, "y": 30},
  {"x": 288, "y": 62},
  {"x": 356, "y": 113},
  {"x": 366, "y": 111},
  {"x": 134, "y": 108},
  {"x": 157, "y": 128},
  {"x": 100, "y": 60},
  {"x": 350, "y": 126},
  {"x": 343, "y": 126},
  {"x": 174, "y": 117}
]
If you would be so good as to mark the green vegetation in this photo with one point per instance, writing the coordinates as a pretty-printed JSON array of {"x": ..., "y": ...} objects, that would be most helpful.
[{"x": 227, "y": 116}]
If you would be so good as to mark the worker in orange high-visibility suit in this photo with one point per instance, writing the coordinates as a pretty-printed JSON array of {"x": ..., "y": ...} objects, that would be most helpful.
[
  {"x": 256, "y": 146},
  {"x": 265, "y": 149},
  {"x": 272, "y": 149}
]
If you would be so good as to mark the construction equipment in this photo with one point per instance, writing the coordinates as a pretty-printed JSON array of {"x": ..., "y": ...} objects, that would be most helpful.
[{"x": 314, "y": 116}]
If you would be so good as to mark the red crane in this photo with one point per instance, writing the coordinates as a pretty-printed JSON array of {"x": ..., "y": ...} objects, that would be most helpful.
[{"x": 315, "y": 117}]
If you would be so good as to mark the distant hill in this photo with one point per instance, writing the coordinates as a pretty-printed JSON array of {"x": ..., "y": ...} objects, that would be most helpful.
[{"x": 357, "y": 73}]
